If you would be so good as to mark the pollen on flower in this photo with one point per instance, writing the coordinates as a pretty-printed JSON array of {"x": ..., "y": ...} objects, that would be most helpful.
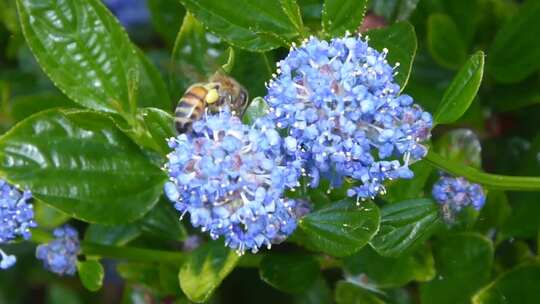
[
  {"x": 230, "y": 179},
  {"x": 60, "y": 255},
  {"x": 340, "y": 103},
  {"x": 16, "y": 218}
]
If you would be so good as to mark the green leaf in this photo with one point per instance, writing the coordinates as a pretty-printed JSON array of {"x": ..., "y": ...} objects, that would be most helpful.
[
  {"x": 166, "y": 15},
  {"x": 444, "y": 41},
  {"x": 386, "y": 272},
  {"x": 160, "y": 126},
  {"x": 145, "y": 274},
  {"x": 340, "y": 16},
  {"x": 83, "y": 49},
  {"x": 163, "y": 222},
  {"x": 24, "y": 106},
  {"x": 495, "y": 211},
  {"x": 394, "y": 9},
  {"x": 462, "y": 91},
  {"x": 293, "y": 273},
  {"x": 461, "y": 145},
  {"x": 152, "y": 91},
  {"x": 91, "y": 274},
  {"x": 318, "y": 293},
  {"x": 400, "y": 40},
  {"x": 463, "y": 263},
  {"x": 405, "y": 189},
  {"x": 111, "y": 235},
  {"x": 257, "y": 108},
  {"x": 404, "y": 226},
  {"x": 205, "y": 269},
  {"x": 81, "y": 164},
  {"x": 48, "y": 217},
  {"x": 349, "y": 293},
  {"x": 513, "y": 56},
  {"x": 519, "y": 285},
  {"x": 342, "y": 228},
  {"x": 255, "y": 25},
  {"x": 292, "y": 10}
]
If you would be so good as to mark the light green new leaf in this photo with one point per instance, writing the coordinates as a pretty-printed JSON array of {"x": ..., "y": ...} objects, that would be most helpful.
[
  {"x": 460, "y": 94},
  {"x": 205, "y": 269},
  {"x": 91, "y": 274},
  {"x": 80, "y": 163}
]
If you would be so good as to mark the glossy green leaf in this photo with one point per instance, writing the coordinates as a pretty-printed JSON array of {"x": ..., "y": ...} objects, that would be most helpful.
[
  {"x": 514, "y": 53},
  {"x": 257, "y": 108},
  {"x": 292, "y": 273},
  {"x": 400, "y": 40},
  {"x": 404, "y": 226},
  {"x": 205, "y": 269},
  {"x": 461, "y": 145},
  {"x": 341, "y": 228},
  {"x": 163, "y": 221},
  {"x": 160, "y": 126},
  {"x": 318, "y": 293},
  {"x": 462, "y": 91},
  {"x": 463, "y": 263},
  {"x": 386, "y": 272},
  {"x": 91, "y": 274},
  {"x": 256, "y": 25},
  {"x": 519, "y": 285},
  {"x": 83, "y": 49},
  {"x": 141, "y": 274},
  {"x": 444, "y": 41},
  {"x": 111, "y": 234},
  {"x": 349, "y": 293},
  {"x": 71, "y": 159},
  {"x": 340, "y": 16}
]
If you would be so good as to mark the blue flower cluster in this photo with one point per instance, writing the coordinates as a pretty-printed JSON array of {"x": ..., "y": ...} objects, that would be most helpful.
[
  {"x": 60, "y": 254},
  {"x": 230, "y": 178},
  {"x": 130, "y": 13},
  {"x": 16, "y": 218},
  {"x": 456, "y": 193},
  {"x": 344, "y": 116}
]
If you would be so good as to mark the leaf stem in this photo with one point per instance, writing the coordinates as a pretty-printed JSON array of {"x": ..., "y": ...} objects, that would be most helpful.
[{"x": 492, "y": 181}]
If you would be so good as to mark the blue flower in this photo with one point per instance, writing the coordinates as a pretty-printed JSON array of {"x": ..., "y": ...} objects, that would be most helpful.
[
  {"x": 130, "y": 13},
  {"x": 456, "y": 193},
  {"x": 16, "y": 218},
  {"x": 60, "y": 254},
  {"x": 343, "y": 114},
  {"x": 230, "y": 178}
]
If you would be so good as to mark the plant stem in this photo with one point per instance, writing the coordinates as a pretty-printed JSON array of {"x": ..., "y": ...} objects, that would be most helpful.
[
  {"x": 145, "y": 255},
  {"x": 492, "y": 181}
]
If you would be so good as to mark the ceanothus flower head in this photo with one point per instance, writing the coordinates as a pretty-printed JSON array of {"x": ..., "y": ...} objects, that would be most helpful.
[
  {"x": 230, "y": 178},
  {"x": 60, "y": 255},
  {"x": 341, "y": 107},
  {"x": 457, "y": 192},
  {"x": 16, "y": 218}
]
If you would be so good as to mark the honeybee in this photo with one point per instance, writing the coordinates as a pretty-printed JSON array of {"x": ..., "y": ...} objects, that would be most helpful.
[{"x": 219, "y": 91}]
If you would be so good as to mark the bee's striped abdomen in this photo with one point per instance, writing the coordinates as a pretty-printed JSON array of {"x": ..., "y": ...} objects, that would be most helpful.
[{"x": 190, "y": 108}]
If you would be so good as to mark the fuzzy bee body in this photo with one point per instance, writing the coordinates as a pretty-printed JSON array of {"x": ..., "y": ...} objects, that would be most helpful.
[{"x": 201, "y": 97}]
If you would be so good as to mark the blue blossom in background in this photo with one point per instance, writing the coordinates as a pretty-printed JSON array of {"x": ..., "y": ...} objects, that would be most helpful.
[
  {"x": 60, "y": 254},
  {"x": 344, "y": 116},
  {"x": 230, "y": 179},
  {"x": 16, "y": 218},
  {"x": 130, "y": 13},
  {"x": 456, "y": 193}
]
